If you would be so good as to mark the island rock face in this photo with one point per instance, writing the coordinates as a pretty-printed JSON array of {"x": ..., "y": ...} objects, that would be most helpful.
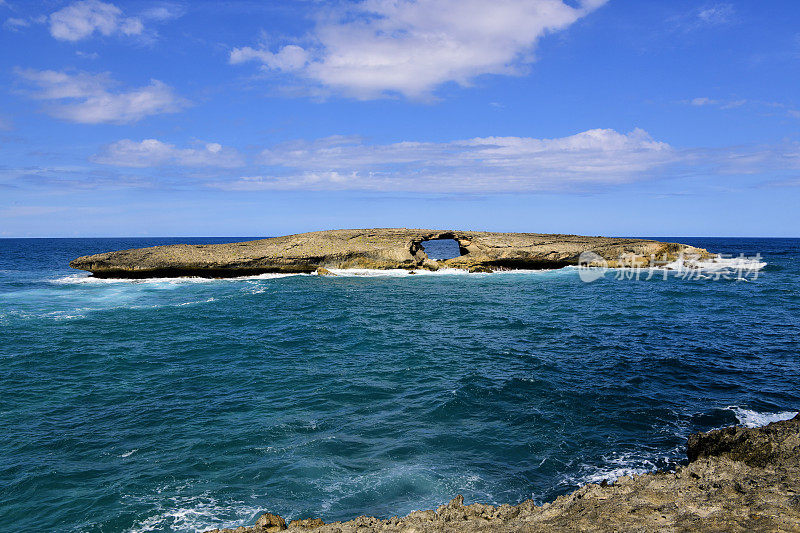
[
  {"x": 376, "y": 249},
  {"x": 738, "y": 480}
]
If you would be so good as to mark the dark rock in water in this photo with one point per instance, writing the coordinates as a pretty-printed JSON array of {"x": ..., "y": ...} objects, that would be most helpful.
[
  {"x": 377, "y": 249},
  {"x": 322, "y": 271},
  {"x": 738, "y": 479},
  {"x": 774, "y": 444}
]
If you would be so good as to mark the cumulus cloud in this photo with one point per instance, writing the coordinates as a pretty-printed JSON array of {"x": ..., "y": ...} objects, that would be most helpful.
[
  {"x": 154, "y": 153},
  {"x": 411, "y": 47},
  {"x": 81, "y": 19},
  {"x": 483, "y": 164},
  {"x": 90, "y": 99}
]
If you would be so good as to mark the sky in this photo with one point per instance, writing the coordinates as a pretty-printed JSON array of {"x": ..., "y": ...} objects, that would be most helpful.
[{"x": 261, "y": 118}]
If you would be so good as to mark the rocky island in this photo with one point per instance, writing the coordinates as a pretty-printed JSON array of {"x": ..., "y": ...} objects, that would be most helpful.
[
  {"x": 737, "y": 479},
  {"x": 481, "y": 251}
]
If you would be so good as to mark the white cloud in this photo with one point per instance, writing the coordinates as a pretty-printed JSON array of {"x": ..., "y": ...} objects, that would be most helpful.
[
  {"x": 765, "y": 108},
  {"x": 88, "y": 98},
  {"x": 723, "y": 104},
  {"x": 84, "y": 18},
  {"x": 15, "y": 24},
  {"x": 716, "y": 14},
  {"x": 751, "y": 159},
  {"x": 288, "y": 58},
  {"x": 704, "y": 18},
  {"x": 483, "y": 164},
  {"x": 701, "y": 101},
  {"x": 154, "y": 153},
  {"x": 81, "y": 19},
  {"x": 87, "y": 55},
  {"x": 732, "y": 104},
  {"x": 411, "y": 47},
  {"x": 164, "y": 12},
  {"x": 586, "y": 161}
]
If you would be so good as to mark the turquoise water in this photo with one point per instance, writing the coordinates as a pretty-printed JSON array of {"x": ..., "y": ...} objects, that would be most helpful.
[{"x": 182, "y": 405}]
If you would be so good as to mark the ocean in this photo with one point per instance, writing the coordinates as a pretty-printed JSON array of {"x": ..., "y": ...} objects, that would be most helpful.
[{"x": 189, "y": 404}]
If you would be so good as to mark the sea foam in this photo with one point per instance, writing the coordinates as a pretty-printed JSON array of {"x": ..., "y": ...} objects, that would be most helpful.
[
  {"x": 718, "y": 264},
  {"x": 86, "y": 279},
  {"x": 754, "y": 419}
]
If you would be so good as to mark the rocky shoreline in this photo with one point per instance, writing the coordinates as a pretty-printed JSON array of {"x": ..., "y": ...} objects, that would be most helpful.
[
  {"x": 737, "y": 479},
  {"x": 387, "y": 248}
]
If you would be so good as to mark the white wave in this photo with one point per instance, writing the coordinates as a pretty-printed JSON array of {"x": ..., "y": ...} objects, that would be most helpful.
[
  {"x": 207, "y": 300},
  {"x": 394, "y": 272},
  {"x": 259, "y": 290},
  {"x": 402, "y": 273},
  {"x": 612, "y": 474},
  {"x": 528, "y": 272},
  {"x": 265, "y": 276},
  {"x": 626, "y": 464},
  {"x": 74, "y": 313},
  {"x": 86, "y": 279},
  {"x": 67, "y": 317},
  {"x": 754, "y": 419},
  {"x": 129, "y": 453},
  {"x": 738, "y": 264},
  {"x": 198, "y": 515}
]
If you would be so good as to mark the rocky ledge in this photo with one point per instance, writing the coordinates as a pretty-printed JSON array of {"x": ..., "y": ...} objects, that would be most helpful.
[
  {"x": 737, "y": 479},
  {"x": 481, "y": 251}
]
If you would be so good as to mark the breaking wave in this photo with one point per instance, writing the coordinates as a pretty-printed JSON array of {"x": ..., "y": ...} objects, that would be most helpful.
[{"x": 754, "y": 419}]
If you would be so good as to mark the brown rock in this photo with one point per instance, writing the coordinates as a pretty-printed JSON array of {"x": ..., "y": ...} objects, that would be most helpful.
[
  {"x": 371, "y": 248},
  {"x": 307, "y": 523},
  {"x": 773, "y": 444},
  {"x": 268, "y": 523}
]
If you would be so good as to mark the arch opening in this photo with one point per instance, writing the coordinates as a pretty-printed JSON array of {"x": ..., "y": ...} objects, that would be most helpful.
[{"x": 442, "y": 249}]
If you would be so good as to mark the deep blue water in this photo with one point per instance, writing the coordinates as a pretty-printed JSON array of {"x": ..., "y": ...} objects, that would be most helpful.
[{"x": 181, "y": 405}]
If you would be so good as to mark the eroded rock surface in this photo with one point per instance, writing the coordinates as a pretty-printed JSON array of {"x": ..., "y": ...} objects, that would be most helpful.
[
  {"x": 739, "y": 479},
  {"x": 374, "y": 248}
]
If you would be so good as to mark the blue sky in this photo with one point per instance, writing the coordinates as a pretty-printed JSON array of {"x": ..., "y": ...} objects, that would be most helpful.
[{"x": 618, "y": 117}]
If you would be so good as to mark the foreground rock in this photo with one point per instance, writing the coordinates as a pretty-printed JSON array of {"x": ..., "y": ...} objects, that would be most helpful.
[
  {"x": 739, "y": 479},
  {"x": 377, "y": 249}
]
